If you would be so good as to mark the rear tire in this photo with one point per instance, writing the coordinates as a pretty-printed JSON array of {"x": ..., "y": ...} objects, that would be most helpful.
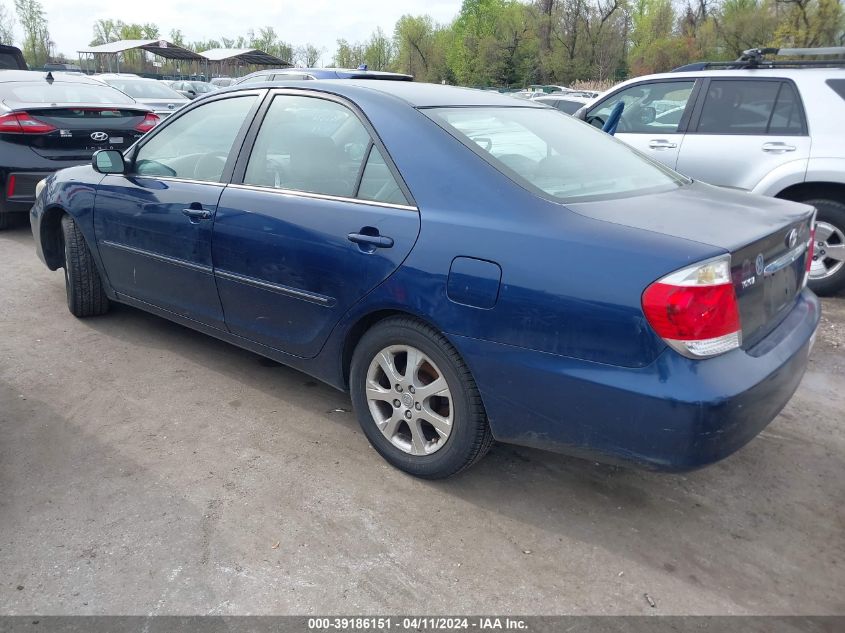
[
  {"x": 829, "y": 272},
  {"x": 85, "y": 294},
  {"x": 442, "y": 428}
]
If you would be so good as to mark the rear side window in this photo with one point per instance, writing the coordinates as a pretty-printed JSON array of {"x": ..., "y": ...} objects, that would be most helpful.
[
  {"x": 750, "y": 107},
  {"x": 838, "y": 86},
  {"x": 377, "y": 181}
]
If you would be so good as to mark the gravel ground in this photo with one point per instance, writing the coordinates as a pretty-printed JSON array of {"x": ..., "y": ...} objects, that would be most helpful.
[{"x": 148, "y": 469}]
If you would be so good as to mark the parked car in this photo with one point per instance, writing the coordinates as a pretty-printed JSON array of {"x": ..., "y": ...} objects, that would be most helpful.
[
  {"x": 51, "y": 121},
  {"x": 292, "y": 74},
  {"x": 756, "y": 127},
  {"x": 191, "y": 89},
  {"x": 161, "y": 99},
  {"x": 563, "y": 102},
  {"x": 443, "y": 254},
  {"x": 11, "y": 58}
]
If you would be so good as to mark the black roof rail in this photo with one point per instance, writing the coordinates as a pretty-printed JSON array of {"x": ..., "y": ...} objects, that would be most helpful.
[{"x": 755, "y": 58}]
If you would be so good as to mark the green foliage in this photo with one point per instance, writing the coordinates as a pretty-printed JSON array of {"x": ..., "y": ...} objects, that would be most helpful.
[
  {"x": 36, "y": 45},
  {"x": 515, "y": 43}
]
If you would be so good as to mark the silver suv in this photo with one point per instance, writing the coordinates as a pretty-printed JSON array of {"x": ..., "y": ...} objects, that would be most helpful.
[{"x": 764, "y": 129}]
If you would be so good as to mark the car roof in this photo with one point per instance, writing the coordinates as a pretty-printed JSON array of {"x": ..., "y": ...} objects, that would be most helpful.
[
  {"x": 37, "y": 75},
  {"x": 415, "y": 94},
  {"x": 745, "y": 72},
  {"x": 328, "y": 73}
]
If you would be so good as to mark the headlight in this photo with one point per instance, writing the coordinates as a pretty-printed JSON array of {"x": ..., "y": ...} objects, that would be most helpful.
[{"x": 39, "y": 187}]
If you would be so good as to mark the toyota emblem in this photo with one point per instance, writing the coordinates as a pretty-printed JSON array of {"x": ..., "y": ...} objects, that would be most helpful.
[
  {"x": 792, "y": 238},
  {"x": 99, "y": 136},
  {"x": 759, "y": 264}
]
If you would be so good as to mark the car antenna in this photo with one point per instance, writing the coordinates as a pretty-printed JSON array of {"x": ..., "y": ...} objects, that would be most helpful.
[{"x": 49, "y": 77}]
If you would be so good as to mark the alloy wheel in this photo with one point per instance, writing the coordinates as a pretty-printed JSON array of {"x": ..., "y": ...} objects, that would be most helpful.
[
  {"x": 829, "y": 251},
  {"x": 409, "y": 400}
]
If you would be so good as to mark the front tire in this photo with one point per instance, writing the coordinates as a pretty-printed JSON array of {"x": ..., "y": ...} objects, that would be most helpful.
[
  {"x": 827, "y": 271},
  {"x": 85, "y": 294},
  {"x": 416, "y": 400}
]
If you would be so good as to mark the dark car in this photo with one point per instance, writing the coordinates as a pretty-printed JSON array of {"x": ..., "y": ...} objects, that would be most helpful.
[
  {"x": 11, "y": 58},
  {"x": 292, "y": 74},
  {"x": 444, "y": 255},
  {"x": 51, "y": 121}
]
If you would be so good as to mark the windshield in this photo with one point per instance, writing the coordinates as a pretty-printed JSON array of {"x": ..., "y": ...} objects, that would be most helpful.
[
  {"x": 554, "y": 155},
  {"x": 60, "y": 92},
  {"x": 143, "y": 89}
]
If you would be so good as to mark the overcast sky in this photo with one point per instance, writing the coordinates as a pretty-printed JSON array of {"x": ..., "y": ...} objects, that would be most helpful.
[{"x": 321, "y": 22}]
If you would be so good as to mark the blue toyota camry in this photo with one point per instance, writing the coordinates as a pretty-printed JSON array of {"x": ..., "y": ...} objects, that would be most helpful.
[{"x": 469, "y": 266}]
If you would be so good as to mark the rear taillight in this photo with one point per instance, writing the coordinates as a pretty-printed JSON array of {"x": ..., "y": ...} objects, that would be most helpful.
[
  {"x": 10, "y": 186},
  {"x": 23, "y": 123},
  {"x": 149, "y": 122},
  {"x": 695, "y": 309}
]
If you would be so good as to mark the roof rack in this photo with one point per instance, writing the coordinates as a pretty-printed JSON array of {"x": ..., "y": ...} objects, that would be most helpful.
[{"x": 754, "y": 58}]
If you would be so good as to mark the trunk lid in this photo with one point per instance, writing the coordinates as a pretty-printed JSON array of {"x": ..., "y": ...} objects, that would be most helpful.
[
  {"x": 81, "y": 129},
  {"x": 766, "y": 238}
]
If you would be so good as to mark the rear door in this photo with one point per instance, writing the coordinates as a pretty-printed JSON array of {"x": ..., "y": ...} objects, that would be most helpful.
[
  {"x": 318, "y": 217},
  {"x": 153, "y": 225},
  {"x": 743, "y": 129},
  {"x": 653, "y": 118}
]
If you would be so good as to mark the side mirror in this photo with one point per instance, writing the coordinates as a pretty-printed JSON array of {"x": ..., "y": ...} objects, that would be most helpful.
[
  {"x": 193, "y": 93},
  {"x": 581, "y": 114},
  {"x": 108, "y": 161},
  {"x": 647, "y": 115}
]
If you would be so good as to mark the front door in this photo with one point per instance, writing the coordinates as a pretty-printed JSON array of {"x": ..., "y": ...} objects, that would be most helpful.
[
  {"x": 319, "y": 217},
  {"x": 154, "y": 224},
  {"x": 652, "y": 116}
]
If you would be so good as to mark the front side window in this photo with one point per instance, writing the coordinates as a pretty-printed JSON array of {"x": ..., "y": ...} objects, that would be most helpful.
[
  {"x": 318, "y": 146},
  {"x": 650, "y": 108},
  {"x": 196, "y": 145},
  {"x": 750, "y": 107},
  {"x": 544, "y": 152}
]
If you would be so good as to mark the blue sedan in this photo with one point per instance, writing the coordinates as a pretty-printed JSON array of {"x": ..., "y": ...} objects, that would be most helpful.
[{"x": 468, "y": 266}]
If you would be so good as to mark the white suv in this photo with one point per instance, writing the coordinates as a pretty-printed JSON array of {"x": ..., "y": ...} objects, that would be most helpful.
[{"x": 767, "y": 130}]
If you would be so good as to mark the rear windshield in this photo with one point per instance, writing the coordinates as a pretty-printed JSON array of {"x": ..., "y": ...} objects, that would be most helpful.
[
  {"x": 556, "y": 156},
  {"x": 60, "y": 92},
  {"x": 143, "y": 89}
]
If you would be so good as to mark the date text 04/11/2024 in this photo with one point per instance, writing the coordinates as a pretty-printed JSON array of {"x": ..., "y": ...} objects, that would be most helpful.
[{"x": 363, "y": 623}]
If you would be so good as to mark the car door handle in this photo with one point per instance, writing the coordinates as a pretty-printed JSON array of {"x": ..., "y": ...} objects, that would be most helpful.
[
  {"x": 777, "y": 148},
  {"x": 373, "y": 241},
  {"x": 661, "y": 143},
  {"x": 195, "y": 215}
]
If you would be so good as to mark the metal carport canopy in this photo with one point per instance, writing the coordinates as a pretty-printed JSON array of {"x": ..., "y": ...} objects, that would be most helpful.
[
  {"x": 162, "y": 48},
  {"x": 249, "y": 56}
]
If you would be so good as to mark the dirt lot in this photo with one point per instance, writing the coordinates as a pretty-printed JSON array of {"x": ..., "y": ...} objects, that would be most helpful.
[{"x": 147, "y": 469}]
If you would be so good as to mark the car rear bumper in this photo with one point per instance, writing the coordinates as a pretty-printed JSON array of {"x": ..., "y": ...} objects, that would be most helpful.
[
  {"x": 18, "y": 192},
  {"x": 676, "y": 414}
]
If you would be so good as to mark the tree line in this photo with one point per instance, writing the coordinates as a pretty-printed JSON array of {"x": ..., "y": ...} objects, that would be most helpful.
[{"x": 512, "y": 42}]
